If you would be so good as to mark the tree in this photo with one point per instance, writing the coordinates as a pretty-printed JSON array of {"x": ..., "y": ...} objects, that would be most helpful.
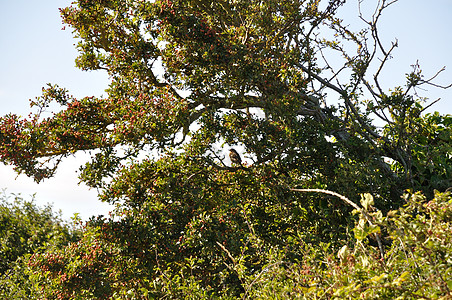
[
  {"x": 26, "y": 229},
  {"x": 189, "y": 77}
]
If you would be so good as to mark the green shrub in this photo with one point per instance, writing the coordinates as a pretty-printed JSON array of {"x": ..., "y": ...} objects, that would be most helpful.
[
  {"x": 417, "y": 263},
  {"x": 26, "y": 229}
]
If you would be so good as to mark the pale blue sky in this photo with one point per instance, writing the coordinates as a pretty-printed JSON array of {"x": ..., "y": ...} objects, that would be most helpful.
[{"x": 34, "y": 51}]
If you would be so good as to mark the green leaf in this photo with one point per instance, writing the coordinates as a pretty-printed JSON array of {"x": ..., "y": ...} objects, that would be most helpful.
[{"x": 367, "y": 200}]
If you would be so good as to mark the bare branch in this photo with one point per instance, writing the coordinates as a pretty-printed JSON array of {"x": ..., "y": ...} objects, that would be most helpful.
[
  {"x": 431, "y": 104},
  {"x": 383, "y": 61},
  {"x": 324, "y": 81},
  {"x": 429, "y": 81},
  {"x": 348, "y": 102}
]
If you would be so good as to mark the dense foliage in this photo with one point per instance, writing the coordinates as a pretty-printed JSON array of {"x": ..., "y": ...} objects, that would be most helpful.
[
  {"x": 286, "y": 83},
  {"x": 416, "y": 264},
  {"x": 26, "y": 229}
]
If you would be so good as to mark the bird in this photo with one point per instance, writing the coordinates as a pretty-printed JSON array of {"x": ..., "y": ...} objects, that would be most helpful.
[{"x": 235, "y": 157}]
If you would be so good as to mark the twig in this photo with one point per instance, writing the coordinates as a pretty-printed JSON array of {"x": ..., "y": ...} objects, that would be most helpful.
[
  {"x": 259, "y": 275},
  {"x": 431, "y": 104}
]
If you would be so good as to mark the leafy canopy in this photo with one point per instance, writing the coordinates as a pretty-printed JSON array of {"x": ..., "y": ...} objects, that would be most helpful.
[{"x": 286, "y": 81}]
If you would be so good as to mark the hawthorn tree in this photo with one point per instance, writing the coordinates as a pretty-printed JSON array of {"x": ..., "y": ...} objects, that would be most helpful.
[
  {"x": 26, "y": 229},
  {"x": 285, "y": 81}
]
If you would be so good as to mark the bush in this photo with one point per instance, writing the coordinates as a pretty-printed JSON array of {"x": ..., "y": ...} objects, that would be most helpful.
[
  {"x": 417, "y": 263},
  {"x": 26, "y": 229},
  {"x": 414, "y": 262}
]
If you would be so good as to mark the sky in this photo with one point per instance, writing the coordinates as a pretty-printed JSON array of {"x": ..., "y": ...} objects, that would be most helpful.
[{"x": 34, "y": 51}]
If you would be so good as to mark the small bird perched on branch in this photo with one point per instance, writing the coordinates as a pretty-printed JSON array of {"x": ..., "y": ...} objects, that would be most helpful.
[{"x": 235, "y": 157}]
